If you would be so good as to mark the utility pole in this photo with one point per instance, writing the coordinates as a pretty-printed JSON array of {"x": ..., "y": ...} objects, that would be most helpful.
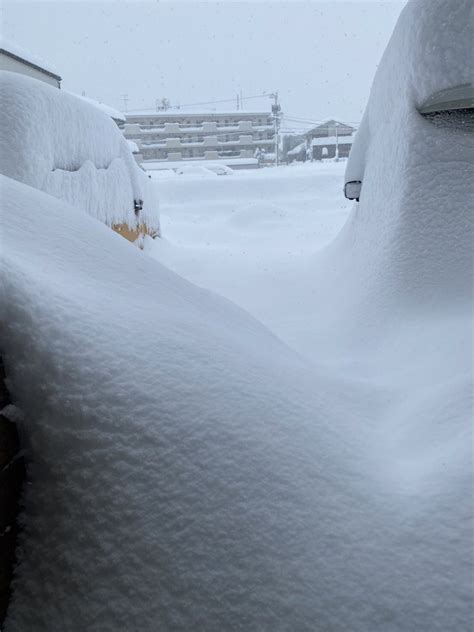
[
  {"x": 238, "y": 108},
  {"x": 125, "y": 100},
  {"x": 337, "y": 142},
  {"x": 276, "y": 111}
]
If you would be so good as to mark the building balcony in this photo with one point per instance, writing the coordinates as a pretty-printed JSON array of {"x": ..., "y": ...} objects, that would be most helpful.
[
  {"x": 173, "y": 143},
  {"x": 170, "y": 128}
]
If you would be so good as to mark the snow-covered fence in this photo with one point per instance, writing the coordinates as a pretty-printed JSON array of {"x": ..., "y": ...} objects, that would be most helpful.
[{"x": 64, "y": 146}]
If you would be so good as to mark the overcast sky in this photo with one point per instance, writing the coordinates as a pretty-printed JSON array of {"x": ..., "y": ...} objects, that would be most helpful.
[{"x": 320, "y": 56}]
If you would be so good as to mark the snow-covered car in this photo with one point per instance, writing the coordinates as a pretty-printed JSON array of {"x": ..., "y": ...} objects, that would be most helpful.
[
  {"x": 451, "y": 108},
  {"x": 159, "y": 174},
  {"x": 66, "y": 147},
  {"x": 199, "y": 172},
  {"x": 220, "y": 170}
]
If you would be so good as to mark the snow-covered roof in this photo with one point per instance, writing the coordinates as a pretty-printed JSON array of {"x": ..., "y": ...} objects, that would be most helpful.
[
  {"x": 329, "y": 123},
  {"x": 297, "y": 149},
  {"x": 331, "y": 140},
  {"x": 15, "y": 50},
  {"x": 175, "y": 112}
]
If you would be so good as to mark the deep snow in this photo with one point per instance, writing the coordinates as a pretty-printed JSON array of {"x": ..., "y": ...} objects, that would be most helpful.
[
  {"x": 191, "y": 471},
  {"x": 66, "y": 146},
  {"x": 252, "y": 236}
]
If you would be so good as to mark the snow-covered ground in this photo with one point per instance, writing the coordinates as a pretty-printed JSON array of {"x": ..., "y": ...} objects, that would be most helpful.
[
  {"x": 190, "y": 470},
  {"x": 251, "y": 236}
]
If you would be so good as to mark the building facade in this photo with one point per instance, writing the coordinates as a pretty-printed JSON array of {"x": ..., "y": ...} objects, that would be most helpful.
[
  {"x": 330, "y": 139},
  {"x": 174, "y": 135},
  {"x": 16, "y": 59}
]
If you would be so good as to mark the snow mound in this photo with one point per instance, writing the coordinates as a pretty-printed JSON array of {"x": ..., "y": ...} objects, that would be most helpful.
[
  {"x": 64, "y": 146},
  {"x": 188, "y": 471}
]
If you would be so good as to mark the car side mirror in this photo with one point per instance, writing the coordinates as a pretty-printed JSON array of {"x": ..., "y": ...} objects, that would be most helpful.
[{"x": 352, "y": 190}]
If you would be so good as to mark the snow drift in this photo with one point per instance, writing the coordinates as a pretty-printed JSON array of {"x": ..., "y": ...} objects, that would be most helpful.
[
  {"x": 190, "y": 472},
  {"x": 61, "y": 144}
]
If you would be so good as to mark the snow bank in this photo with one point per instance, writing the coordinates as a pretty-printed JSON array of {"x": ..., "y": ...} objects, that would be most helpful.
[
  {"x": 187, "y": 470},
  {"x": 60, "y": 144}
]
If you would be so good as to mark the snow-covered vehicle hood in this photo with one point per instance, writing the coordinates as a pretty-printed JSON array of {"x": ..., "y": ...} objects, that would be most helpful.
[{"x": 416, "y": 183}]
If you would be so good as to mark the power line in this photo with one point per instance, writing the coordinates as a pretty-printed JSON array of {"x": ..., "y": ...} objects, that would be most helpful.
[
  {"x": 188, "y": 105},
  {"x": 312, "y": 122}
]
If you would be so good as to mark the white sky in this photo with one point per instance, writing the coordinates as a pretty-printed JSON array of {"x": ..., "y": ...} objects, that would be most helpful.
[{"x": 320, "y": 55}]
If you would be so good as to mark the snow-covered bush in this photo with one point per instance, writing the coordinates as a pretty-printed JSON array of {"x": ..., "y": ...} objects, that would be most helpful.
[{"x": 67, "y": 147}]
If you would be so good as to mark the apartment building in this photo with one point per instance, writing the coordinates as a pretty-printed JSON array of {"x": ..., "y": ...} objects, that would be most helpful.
[{"x": 175, "y": 134}]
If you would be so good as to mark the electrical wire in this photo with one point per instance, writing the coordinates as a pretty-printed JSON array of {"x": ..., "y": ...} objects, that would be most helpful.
[{"x": 188, "y": 105}]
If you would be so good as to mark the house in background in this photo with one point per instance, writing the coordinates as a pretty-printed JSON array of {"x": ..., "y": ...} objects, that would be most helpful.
[
  {"x": 330, "y": 139},
  {"x": 17, "y": 59}
]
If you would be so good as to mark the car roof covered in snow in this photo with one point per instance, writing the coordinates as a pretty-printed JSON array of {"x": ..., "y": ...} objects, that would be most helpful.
[{"x": 110, "y": 111}]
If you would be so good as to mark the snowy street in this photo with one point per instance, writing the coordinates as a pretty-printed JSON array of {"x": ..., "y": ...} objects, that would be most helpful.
[{"x": 250, "y": 236}]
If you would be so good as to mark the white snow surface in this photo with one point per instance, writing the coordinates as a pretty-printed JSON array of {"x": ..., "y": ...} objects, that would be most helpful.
[
  {"x": 190, "y": 471},
  {"x": 27, "y": 55},
  {"x": 342, "y": 139},
  {"x": 107, "y": 109},
  {"x": 61, "y": 144}
]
